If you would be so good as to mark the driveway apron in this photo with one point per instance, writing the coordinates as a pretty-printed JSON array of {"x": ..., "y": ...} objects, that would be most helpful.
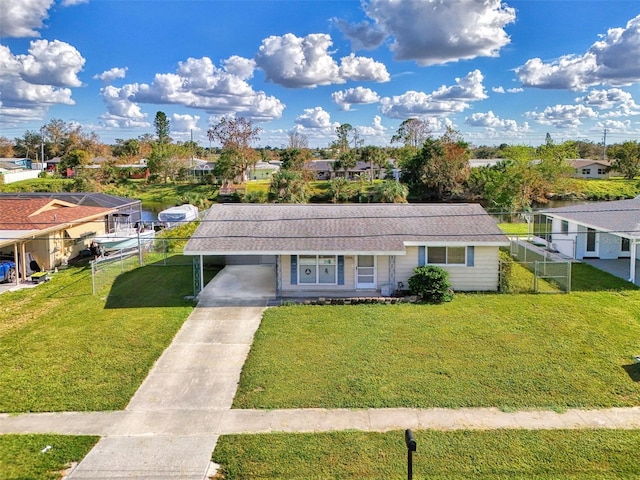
[{"x": 189, "y": 387}]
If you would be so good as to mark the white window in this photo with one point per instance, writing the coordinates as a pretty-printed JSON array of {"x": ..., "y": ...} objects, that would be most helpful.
[
  {"x": 446, "y": 255},
  {"x": 586, "y": 171},
  {"x": 602, "y": 171},
  {"x": 564, "y": 227},
  {"x": 315, "y": 269}
]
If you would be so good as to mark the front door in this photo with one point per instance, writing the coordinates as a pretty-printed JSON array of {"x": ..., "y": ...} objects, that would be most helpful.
[
  {"x": 592, "y": 243},
  {"x": 366, "y": 271}
]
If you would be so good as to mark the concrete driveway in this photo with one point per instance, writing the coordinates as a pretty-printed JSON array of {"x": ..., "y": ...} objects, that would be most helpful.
[
  {"x": 180, "y": 403},
  {"x": 240, "y": 285}
]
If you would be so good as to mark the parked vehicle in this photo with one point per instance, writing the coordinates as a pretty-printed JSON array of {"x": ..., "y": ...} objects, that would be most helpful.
[{"x": 7, "y": 271}]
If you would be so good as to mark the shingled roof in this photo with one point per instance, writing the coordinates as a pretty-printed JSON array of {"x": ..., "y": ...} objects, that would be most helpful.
[
  {"x": 619, "y": 216},
  {"x": 19, "y": 216},
  {"x": 273, "y": 229}
]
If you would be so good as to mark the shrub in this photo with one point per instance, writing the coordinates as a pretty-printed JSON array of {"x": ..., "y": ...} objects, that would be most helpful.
[
  {"x": 505, "y": 284},
  {"x": 431, "y": 284}
]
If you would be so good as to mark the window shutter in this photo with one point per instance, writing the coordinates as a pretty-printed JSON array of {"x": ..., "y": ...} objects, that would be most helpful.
[
  {"x": 294, "y": 269},
  {"x": 340, "y": 269},
  {"x": 422, "y": 256},
  {"x": 470, "y": 256}
]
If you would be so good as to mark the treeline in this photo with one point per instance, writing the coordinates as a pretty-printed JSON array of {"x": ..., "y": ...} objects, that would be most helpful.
[{"x": 416, "y": 165}]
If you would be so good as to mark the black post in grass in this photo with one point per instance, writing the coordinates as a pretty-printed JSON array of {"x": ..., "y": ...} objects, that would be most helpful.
[{"x": 411, "y": 447}]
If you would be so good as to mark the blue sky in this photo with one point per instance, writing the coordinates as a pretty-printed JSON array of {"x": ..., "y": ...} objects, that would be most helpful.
[{"x": 497, "y": 72}]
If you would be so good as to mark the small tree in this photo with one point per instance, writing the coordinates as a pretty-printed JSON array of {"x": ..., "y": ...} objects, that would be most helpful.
[{"x": 431, "y": 284}]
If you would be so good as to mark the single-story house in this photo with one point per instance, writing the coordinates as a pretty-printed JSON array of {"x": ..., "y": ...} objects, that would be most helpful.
[
  {"x": 585, "y": 168},
  {"x": 48, "y": 231},
  {"x": 604, "y": 230},
  {"x": 353, "y": 250},
  {"x": 262, "y": 170}
]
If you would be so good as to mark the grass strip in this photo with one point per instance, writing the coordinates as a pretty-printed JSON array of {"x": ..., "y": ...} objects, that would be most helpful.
[
  {"x": 494, "y": 454},
  {"x": 40, "y": 457}
]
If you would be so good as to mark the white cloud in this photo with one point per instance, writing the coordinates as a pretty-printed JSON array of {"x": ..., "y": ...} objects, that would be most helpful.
[
  {"x": 315, "y": 118},
  {"x": 22, "y": 18},
  {"x": 563, "y": 116},
  {"x": 611, "y": 99},
  {"x": 434, "y": 32},
  {"x": 490, "y": 121},
  {"x": 609, "y": 61},
  {"x": 363, "y": 69},
  {"x": 443, "y": 101},
  {"x": 515, "y": 90},
  {"x": 109, "y": 76},
  {"x": 198, "y": 83},
  {"x": 354, "y": 96},
  {"x": 376, "y": 133},
  {"x": 23, "y": 99},
  {"x": 121, "y": 111},
  {"x": 497, "y": 89},
  {"x": 52, "y": 63},
  {"x": 306, "y": 62},
  {"x": 70, "y": 3},
  {"x": 240, "y": 67},
  {"x": 184, "y": 124}
]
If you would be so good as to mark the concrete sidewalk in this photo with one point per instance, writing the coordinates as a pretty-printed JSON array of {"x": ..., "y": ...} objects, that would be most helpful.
[{"x": 211, "y": 422}]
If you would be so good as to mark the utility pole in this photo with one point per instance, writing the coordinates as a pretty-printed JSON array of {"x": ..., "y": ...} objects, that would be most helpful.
[
  {"x": 42, "y": 146},
  {"x": 604, "y": 145}
]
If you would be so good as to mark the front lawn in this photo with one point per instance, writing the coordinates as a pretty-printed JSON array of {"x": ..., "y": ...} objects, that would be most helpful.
[
  {"x": 549, "y": 351},
  {"x": 40, "y": 457},
  {"x": 61, "y": 348},
  {"x": 460, "y": 455}
]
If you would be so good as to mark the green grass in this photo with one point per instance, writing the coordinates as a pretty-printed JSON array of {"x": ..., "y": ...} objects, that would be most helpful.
[
  {"x": 510, "y": 351},
  {"x": 605, "y": 189},
  {"x": 461, "y": 455},
  {"x": 521, "y": 229},
  {"x": 21, "y": 456},
  {"x": 61, "y": 348}
]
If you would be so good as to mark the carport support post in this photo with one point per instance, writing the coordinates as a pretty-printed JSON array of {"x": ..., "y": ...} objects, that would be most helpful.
[
  {"x": 632, "y": 262},
  {"x": 201, "y": 273}
]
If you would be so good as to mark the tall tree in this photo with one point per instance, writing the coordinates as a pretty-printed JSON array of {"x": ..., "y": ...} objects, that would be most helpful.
[
  {"x": 298, "y": 140},
  {"x": 440, "y": 169},
  {"x": 412, "y": 133},
  {"x": 6, "y": 148},
  {"x": 626, "y": 159},
  {"x": 28, "y": 146},
  {"x": 236, "y": 136},
  {"x": 376, "y": 157},
  {"x": 163, "y": 127}
]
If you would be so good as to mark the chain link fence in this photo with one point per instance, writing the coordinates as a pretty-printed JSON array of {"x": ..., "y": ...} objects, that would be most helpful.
[
  {"x": 554, "y": 270},
  {"x": 159, "y": 253}
]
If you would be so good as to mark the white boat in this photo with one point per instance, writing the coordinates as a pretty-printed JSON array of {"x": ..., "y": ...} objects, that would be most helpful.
[
  {"x": 125, "y": 238},
  {"x": 176, "y": 215}
]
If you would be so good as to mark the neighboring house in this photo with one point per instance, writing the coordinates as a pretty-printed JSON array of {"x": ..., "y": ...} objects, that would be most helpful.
[
  {"x": 129, "y": 208},
  {"x": 484, "y": 162},
  {"x": 47, "y": 230},
  {"x": 17, "y": 169},
  {"x": 584, "y": 168},
  {"x": 262, "y": 170},
  {"x": 604, "y": 230},
  {"x": 347, "y": 250}
]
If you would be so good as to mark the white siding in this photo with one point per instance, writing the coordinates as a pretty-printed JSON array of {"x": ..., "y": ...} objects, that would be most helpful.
[
  {"x": 382, "y": 277},
  {"x": 483, "y": 276}
]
